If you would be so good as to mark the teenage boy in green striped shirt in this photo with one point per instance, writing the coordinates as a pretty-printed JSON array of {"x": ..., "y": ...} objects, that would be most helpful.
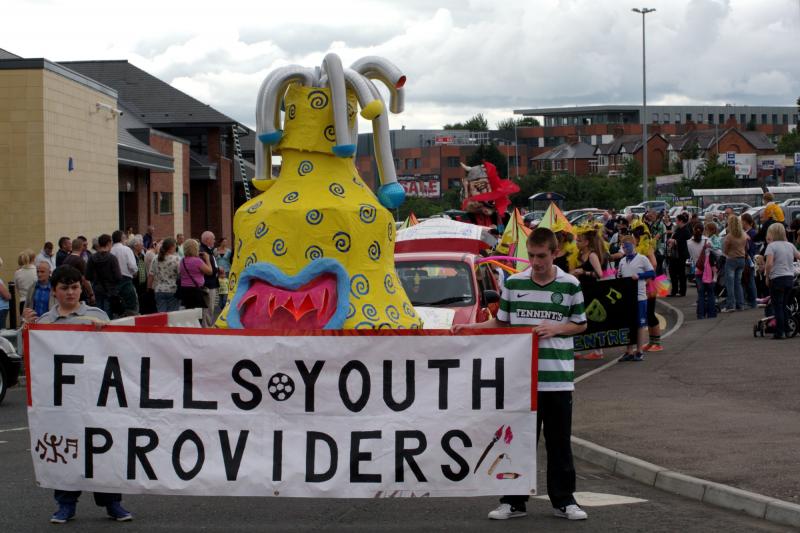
[{"x": 550, "y": 302}]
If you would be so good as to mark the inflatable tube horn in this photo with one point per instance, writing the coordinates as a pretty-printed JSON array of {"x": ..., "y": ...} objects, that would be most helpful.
[
  {"x": 390, "y": 194},
  {"x": 332, "y": 66},
  {"x": 380, "y": 69}
]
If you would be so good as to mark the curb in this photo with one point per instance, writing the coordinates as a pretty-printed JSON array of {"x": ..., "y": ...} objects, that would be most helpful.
[{"x": 709, "y": 492}]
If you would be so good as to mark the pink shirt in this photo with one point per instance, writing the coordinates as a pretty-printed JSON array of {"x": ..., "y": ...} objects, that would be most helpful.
[{"x": 190, "y": 266}]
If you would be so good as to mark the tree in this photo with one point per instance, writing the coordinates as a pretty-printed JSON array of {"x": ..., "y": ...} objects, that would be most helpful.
[
  {"x": 715, "y": 175},
  {"x": 491, "y": 154},
  {"x": 475, "y": 123},
  {"x": 510, "y": 123},
  {"x": 751, "y": 124},
  {"x": 691, "y": 152},
  {"x": 789, "y": 143},
  {"x": 528, "y": 186}
]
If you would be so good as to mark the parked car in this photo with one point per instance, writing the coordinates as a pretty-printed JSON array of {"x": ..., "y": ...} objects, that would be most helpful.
[
  {"x": 533, "y": 218},
  {"x": 678, "y": 209},
  {"x": 756, "y": 213},
  {"x": 637, "y": 210},
  {"x": 719, "y": 209},
  {"x": 450, "y": 280},
  {"x": 10, "y": 364},
  {"x": 791, "y": 202},
  {"x": 575, "y": 213},
  {"x": 656, "y": 205},
  {"x": 589, "y": 216}
]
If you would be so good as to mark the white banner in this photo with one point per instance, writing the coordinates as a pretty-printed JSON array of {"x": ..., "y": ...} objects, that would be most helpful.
[{"x": 240, "y": 413}]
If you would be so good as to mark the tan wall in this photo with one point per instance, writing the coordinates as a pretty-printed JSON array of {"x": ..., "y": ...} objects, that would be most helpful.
[
  {"x": 85, "y": 200},
  {"x": 21, "y": 165},
  {"x": 45, "y": 119}
]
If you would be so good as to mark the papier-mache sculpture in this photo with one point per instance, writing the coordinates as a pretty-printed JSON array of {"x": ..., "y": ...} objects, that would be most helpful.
[{"x": 315, "y": 250}]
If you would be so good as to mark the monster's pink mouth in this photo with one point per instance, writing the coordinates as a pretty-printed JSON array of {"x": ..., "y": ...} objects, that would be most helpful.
[{"x": 265, "y": 306}]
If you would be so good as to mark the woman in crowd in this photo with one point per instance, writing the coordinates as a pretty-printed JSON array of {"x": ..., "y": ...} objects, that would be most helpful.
[
  {"x": 697, "y": 243},
  {"x": 25, "y": 276},
  {"x": 593, "y": 261},
  {"x": 735, "y": 249},
  {"x": 163, "y": 277},
  {"x": 5, "y": 301},
  {"x": 780, "y": 256},
  {"x": 193, "y": 267},
  {"x": 706, "y": 278},
  {"x": 749, "y": 273},
  {"x": 223, "y": 254}
]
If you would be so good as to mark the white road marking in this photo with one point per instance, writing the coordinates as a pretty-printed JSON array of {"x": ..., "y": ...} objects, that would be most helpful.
[
  {"x": 13, "y": 429},
  {"x": 598, "y": 499},
  {"x": 3, "y": 442}
]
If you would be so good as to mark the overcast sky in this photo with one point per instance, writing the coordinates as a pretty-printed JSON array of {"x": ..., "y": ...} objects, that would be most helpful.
[{"x": 461, "y": 57}]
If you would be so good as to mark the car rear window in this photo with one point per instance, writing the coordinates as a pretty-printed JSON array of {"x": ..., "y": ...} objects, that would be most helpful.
[{"x": 437, "y": 283}]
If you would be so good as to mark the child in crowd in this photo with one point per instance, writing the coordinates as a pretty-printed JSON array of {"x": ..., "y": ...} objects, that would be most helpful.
[
  {"x": 706, "y": 278},
  {"x": 636, "y": 266}
]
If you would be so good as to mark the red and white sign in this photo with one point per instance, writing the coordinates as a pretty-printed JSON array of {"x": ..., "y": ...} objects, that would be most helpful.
[
  {"x": 341, "y": 414},
  {"x": 444, "y": 139},
  {"x": 421, "y": 186}
]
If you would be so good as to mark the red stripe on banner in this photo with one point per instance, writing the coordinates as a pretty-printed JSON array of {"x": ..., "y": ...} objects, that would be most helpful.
[
  {"x": 155, "y": 319},
  {"x": 534, "y": 371},
  {"x": 27, "y": 356},
  {"x": 278, "y": 333}
]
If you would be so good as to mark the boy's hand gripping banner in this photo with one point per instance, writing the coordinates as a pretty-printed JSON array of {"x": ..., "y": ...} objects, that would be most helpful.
[{"x": 321, "y": 414}]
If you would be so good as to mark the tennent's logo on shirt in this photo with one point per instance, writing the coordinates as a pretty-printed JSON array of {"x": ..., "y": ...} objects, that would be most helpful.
[{"x": 540, "y": 314}]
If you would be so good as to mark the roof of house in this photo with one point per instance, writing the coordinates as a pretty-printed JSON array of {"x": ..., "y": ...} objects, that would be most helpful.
[
  {"x": 133, "y": 151},
  {"x": 5, "y": 54},
  {"x": 628, "y": 144},
  {"x": 152, "y": 100},
  {"x": 706, "y": 139},
  {"x": 575, "y": 150}
]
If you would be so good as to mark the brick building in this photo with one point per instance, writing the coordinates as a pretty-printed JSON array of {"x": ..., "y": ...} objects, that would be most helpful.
[
  {"x": 611, "y": 157},
  {"x": 575, "y": 158}
]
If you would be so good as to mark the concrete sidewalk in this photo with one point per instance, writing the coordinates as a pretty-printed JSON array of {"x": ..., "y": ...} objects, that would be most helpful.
[{"x": 717, "y": 404}]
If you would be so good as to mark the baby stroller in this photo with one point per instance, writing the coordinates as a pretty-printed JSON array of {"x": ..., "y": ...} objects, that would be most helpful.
[{"x": 766, "y": 325}]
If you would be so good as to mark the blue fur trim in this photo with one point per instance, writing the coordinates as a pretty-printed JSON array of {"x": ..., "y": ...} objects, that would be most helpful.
[
  {"x": 276, "y": 277},
  {"x": 344, "y": 150},
  {"x": 648, "y": 274},
  {"x": 391, "y": 195},
  {"x": 271, "y": 138}
]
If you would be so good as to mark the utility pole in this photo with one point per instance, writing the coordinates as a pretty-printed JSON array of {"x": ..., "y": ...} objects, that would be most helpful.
[{"x": 644, "y": 11}]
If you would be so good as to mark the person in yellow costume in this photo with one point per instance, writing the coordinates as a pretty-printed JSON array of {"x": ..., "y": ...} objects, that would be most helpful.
[{"x": 315, "y": 250}]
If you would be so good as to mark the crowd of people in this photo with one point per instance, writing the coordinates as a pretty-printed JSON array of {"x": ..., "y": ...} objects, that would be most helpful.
[{"x": 125, "y": 274}]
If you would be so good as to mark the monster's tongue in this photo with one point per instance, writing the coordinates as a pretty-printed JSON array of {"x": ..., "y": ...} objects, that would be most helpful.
[{"x": 265, "y": 306}]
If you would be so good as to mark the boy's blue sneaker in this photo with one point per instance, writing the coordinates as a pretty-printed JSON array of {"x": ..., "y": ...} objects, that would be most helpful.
[
  {"x": 627, "y": 357},
  {"x": 638, "y": 357},
  {"x": 65, "y": 512},
  {"x": 118, "y": 513}
]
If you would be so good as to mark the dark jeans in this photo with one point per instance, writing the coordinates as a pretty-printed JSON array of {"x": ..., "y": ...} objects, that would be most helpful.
[
  {"x": 3, "y": 315},
  {"x": 102, "y": 499},
  {"x": 706, "y": 300},
  {"x": 779, "y": 290},
  {"x": 130, "y": 301},
  {"x": 554, "y": 414},
  {"x": 659, "y": 264},
  {"x": 677, "y": 274}
]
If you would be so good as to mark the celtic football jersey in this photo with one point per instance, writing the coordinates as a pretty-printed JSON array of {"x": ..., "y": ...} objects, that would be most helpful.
[{"x": 526, "y": 303}]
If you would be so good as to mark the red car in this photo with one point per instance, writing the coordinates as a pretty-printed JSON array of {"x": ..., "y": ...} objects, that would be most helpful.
[{"x": 449, "y": 280}]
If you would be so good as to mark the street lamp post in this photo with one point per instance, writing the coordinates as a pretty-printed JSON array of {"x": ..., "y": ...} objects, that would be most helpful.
[{"x": 644, "y": 11}]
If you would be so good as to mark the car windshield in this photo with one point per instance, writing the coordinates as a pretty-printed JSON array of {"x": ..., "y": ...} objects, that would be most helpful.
[{"x": 437, "y": 283}]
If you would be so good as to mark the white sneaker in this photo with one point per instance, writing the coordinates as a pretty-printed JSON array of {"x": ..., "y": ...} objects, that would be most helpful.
[
  {"x": 570, "y": 512},
  {"x": 505, "y": 511}
]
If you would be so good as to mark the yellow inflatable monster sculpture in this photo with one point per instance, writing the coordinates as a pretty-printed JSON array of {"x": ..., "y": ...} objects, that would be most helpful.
[{"x": 315, "y": 250}]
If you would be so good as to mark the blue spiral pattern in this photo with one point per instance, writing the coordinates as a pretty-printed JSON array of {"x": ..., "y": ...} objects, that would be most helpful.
[
  {"x": 408, "y": 310},
  {"x": 305, "y": 167},
  {"x": 388, "y": 284},
  {"x": 330, "y": 133},
  {"x": 393, "y": 313},
  {"x": 291, "y": 197},
  {"x": 252, "y": 258},
  {"x": 261, "y": 230},
  {"x": 359, "y": 286},
  {"x": 351, "y": 311},
  {"x": 336, "y": 189},
  {"x": 314, "y": 252},
  {"x": 279, "y": 247},
  {"x": 367, "y": 213},
  {"x": 314, "y": 217},
  {"x": 291, "y": 112},
  {"x": 253, "y": 208},
  {"x": 374, "y": 251},
  {"x": 317, "y": 99},
  {"x": 341, "y": 240},
  {"x": 369, "y": 311}
]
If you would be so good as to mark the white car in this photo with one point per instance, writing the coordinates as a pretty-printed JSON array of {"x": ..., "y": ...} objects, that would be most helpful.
[
  {"x": 791, "y": 202},
  {"x": 637, "y": 210}
]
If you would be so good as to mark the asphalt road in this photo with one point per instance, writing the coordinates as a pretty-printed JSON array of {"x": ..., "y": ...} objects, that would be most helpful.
[{"x": 26, "y": 508}]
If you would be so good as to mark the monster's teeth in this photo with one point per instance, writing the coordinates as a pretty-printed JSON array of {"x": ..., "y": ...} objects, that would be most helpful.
[
  {"x": 271, "y": 305},
  {"x": 317, "y": 298},
  {"x": 297, "y": 299},
  {"x": 324, "y": 305}
]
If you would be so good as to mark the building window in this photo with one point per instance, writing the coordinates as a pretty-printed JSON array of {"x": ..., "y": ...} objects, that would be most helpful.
[
  {"x": 774, "y": 119},
  {"x": 763, "y": 118},
  {"x": 654, "y": 118},
  {"x": 162, "y": 203},
  {"x": 732, "y": 117},
  {"x": 711, "y": 118},
  {"x": 794, "y": 119},
  {"x": 688, "y": 117},
  {"x": 557, "y": 164},
  {"x": 185, "y": 203},
  {"x": 409, "y": 164},
  {"x": 742, "y": 120},
  {"x": 722, "y": 118},
  {"x": 666, "y": 118},
  {"x": 418, "y": 163},
  {"x": 453, "y": 161},
  {"x": 752, "y": 118},
  {"x": 784, "y": 119},
  {"x": 602, "y": 160},
  {"x": 677, "y": 118}
]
